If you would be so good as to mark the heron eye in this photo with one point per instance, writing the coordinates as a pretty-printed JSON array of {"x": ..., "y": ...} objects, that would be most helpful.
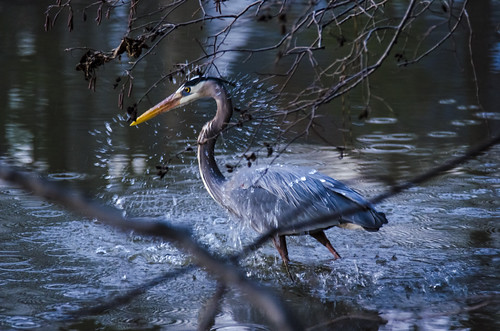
[{"x": 187, "y": 90}]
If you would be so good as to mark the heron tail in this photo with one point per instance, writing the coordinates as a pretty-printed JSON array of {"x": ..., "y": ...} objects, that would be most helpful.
[{"x": 379, "y": 219}]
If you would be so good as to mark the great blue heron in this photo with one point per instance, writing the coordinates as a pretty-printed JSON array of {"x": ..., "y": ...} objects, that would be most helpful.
[{"x": 268, "y": 197}]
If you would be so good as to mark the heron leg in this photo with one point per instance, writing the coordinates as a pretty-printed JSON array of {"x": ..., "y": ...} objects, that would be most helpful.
[
  {"x": 321, "y": 237},
  {"x": 280, "y": 243}
]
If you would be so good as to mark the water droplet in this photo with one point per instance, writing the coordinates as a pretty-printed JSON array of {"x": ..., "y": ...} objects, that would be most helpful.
[{"x": 108, "y": 127}]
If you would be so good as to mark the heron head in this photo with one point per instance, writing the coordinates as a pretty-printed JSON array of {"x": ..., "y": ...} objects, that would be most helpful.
[{"x": 190, "y": 91}]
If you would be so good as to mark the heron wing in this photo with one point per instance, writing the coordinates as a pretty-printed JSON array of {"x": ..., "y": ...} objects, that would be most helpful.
[{"x": 281, "y": 196}]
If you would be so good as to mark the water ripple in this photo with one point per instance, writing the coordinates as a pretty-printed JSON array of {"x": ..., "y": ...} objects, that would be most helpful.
[
  {"x": 22, "y": 322},
  {"x": 33, "y": 203},
  {"x": 473, "y": 212},
  {"x": 387, "y": 148},
  {"x": 13, "y": 261},
  {"x": 465, "y": 122},
  {"x": 84, "y": 292},
  {"x": 488, "y": 115},
  {"x": 14, "y": 192},
  {"x": 468, "y": 107},
  {"x": 66, "y": 176},
  {"x": 47, "y": 213},
  {"x": 242, "y": 327},
  {"x": 447, "y": 101},
  {"x": 76, "y": 291},
  {"x": 382, "y": 120},
  {"x": 163, "y": 320},
  {"x": 422, "y": 152},
  {"x": 387, "y": 137},
  {"x": 442, "y": 134}
]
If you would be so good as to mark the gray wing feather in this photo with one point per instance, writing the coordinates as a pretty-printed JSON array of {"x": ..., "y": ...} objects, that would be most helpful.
[{"x": 280, "y": 196}]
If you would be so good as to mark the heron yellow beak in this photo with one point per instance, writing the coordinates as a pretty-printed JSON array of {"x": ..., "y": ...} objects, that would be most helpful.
[{"x": 167, "y": 104}]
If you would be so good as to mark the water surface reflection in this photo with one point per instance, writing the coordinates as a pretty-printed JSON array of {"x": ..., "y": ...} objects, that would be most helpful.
[{"x": 431, "y": 267}]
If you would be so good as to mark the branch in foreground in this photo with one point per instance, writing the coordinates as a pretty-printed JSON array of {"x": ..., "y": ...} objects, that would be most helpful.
[{"x": 228, "y": 274}]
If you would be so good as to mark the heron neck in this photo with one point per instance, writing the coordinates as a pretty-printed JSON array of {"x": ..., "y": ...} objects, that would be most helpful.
[{"x": 211, "y": 175}]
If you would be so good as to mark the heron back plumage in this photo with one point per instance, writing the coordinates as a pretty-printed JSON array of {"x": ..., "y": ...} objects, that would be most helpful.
[{"x": 280, "y": 196}]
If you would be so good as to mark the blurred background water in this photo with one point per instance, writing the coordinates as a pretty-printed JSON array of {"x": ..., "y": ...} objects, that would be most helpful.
[{"x": 438, "y": 257}]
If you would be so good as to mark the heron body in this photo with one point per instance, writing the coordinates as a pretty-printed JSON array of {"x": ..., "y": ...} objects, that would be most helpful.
[{"x": 274, "y": 197}]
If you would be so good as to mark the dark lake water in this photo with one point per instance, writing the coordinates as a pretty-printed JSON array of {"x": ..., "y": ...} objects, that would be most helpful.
[{"x": 435, "y": 266}]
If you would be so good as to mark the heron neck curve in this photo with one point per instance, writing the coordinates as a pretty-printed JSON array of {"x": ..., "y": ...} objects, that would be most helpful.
[{"x": 212, "y": 177}]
